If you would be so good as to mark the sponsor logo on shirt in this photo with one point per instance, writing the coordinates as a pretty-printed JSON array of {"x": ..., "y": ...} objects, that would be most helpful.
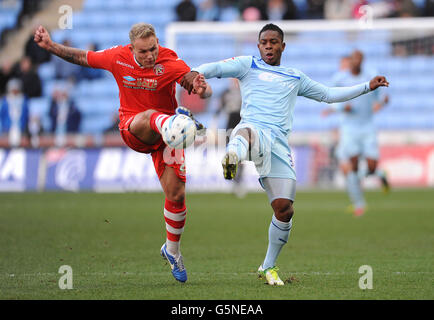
[
  {"x": 124, "y": 64},
  {"x": 140, "y": 83},
  {"x": 129, "y": 78},
  {"x": 158, "y": 69},
  {"x": 271, "y": 77}
]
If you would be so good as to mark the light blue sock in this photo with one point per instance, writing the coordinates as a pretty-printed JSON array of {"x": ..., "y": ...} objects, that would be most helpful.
[
  {"x": 240, "y": 146},
  {"x": 364, "y": 172},
  {"x": 278, "y": 234},
  {"x": 355, "y": 190},
  {"x": 380, "y": 173}
]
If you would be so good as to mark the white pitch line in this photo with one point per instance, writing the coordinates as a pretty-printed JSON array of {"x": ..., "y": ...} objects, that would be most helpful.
[{"x": 311, "y": 273}]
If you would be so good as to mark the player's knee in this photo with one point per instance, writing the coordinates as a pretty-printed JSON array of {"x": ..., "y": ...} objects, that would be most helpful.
[
  {"x": 247, "y": 134},
  {"x": 283, "y": 209},
  {"x": 176, "y": 195},
  {"x": 144, "y": 117}
]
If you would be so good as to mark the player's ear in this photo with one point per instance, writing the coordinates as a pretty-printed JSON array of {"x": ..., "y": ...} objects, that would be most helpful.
[{"x": 283, "y": 46}]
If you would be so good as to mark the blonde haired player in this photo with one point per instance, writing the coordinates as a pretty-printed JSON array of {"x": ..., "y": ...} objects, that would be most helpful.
[{"x": 146, "y": 74}]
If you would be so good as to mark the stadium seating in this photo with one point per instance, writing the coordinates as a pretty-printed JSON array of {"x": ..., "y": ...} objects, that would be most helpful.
[
  {"x": 9, "y": 11},
  {"x": 410, "y": 107}
]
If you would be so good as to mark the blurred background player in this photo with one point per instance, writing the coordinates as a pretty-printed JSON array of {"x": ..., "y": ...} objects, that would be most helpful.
[
  {"x": 14, "y": 113},
  {"x": 146, "y": 74},
  {"x": 358, "y": 136},
  {"x": 269, "y": 93},
  {"x": 65, "y": 117},
  {"x": 230, "y": 105}
]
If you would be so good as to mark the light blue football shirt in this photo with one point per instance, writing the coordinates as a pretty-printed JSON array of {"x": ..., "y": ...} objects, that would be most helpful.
[
  {"x": 361, "y": 115},
  {"x": 269, "y": 92}
]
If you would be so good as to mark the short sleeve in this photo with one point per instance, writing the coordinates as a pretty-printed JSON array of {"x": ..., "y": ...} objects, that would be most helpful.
[
  {"x": 180, "y": 68},
  {"x": 102, "y": 59}
]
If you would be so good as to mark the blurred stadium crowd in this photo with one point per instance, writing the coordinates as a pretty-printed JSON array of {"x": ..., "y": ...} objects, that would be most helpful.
[{"x": 43, "y": 96}]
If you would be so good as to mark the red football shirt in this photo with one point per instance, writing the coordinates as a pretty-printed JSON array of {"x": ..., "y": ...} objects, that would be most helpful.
[{"x": 140, "y": 88}]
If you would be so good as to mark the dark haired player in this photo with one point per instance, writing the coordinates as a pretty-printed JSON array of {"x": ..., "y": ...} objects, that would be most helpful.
[{"x": 269, "y": 91}]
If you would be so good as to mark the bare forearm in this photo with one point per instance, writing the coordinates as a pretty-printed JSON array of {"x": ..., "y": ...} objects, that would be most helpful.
[
  {"x": 206, "y": 93},
  {"x": 73, "y": 55}
]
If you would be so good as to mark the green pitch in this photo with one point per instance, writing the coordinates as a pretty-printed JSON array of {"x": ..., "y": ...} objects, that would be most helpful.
[{"x": 112, "y": 243}]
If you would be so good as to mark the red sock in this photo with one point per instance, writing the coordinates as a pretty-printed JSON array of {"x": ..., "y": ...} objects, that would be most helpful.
[
  {"x": 157, "y": 120},
  {"x": 174, "y": 215}
]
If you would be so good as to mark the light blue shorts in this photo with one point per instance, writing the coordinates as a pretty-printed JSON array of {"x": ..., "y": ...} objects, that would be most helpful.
[
  {"x": 270, "y": 152},
  {"x": 362, "y": 143}
]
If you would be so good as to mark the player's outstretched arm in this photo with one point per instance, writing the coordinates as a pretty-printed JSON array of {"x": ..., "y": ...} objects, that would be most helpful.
[
  {"x": 188, "y": 80},
  {"x": 73, "y": 55},
  {"x": 230, "y": 68},
  {"x": 195, "y": 82},
  {"x": 314, "y": 90}
]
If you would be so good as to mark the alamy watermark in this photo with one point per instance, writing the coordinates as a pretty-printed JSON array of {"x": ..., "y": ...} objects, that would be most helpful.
[
  {"x": 65, "y": 281},
  {"x": 366, "y": 281},
  {"x": 366, "y": 20},
  {"x": 65, "y": 20}
]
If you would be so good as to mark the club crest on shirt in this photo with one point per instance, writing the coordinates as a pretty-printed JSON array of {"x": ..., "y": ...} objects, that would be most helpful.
[{"x": 158, "y": 69}]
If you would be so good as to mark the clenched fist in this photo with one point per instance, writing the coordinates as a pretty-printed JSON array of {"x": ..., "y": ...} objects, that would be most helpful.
[
  {"x": 42, "y": 38},
  {"x": 378, "y": 81}
]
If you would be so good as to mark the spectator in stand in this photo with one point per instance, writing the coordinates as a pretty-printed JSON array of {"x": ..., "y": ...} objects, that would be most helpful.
[
  {"x": 86, "y": 73},
  {"x": 14, "y": 113},
  {"x": 207, "y": 11},
  {"x": 281, "y": 10},
  {"x": 315, "y": 9},
  {"x": 428, "y": 8},
  {"x": 65, "y": 70},
  {"x": 253, "y": 10},
  {"x": 36, "y": 54},
  {"x": 186, "y": 11},
  {"x": 28, "y": 9},
  {"x": 31, "y": 82},
  {"x": 405, "y": 8},
  {"x": 218, "y": 10},
  {"x": 338, "y": 9},
  {"x": 64, "y": 116},
  {"x": 5, "y": 75}
]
